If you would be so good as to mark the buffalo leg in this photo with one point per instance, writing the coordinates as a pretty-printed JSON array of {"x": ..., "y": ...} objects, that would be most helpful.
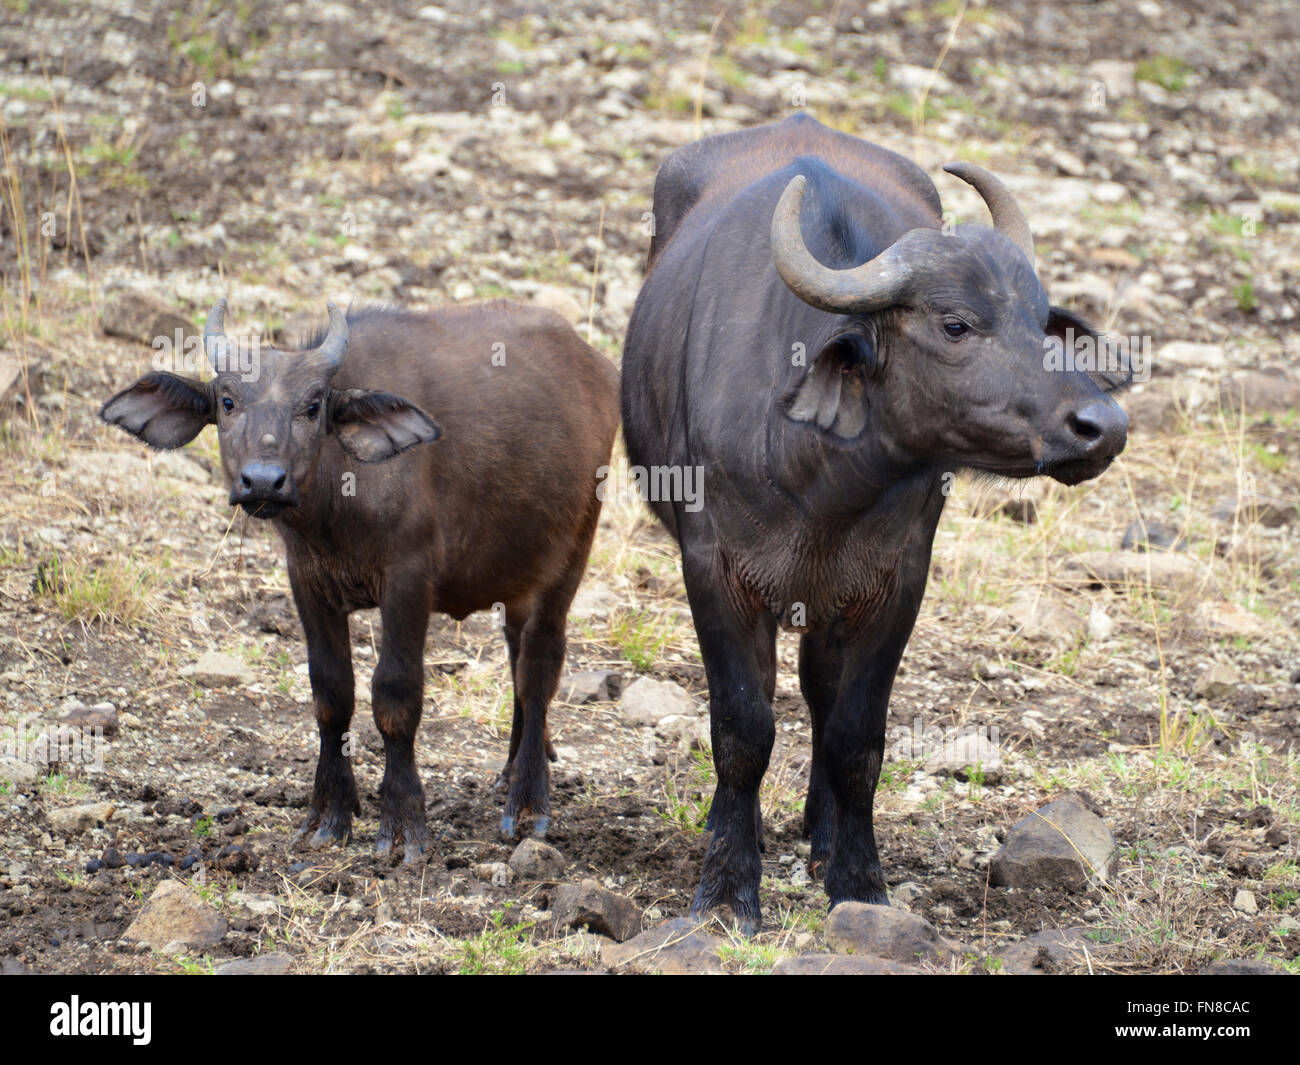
[
  {"x": 853, "y": 747},
  {"x": 397, "y": 696},
  {"x": 742, "y": 731},
  {"x": 821, "y": 665},
  {"x": 329, "y": 664},
  {"x": 540, "y": 661}
]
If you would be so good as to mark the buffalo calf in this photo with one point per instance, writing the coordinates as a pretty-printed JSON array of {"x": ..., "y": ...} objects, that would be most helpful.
[{"x": 329, "y": 443}]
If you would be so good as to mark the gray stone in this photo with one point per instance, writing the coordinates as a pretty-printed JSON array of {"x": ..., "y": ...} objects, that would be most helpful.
[
  {"x": 1142, "y": 535},
  {"x": 685, "y": 731},
  {"x": 16, "y": 771},
  {"x": 960, "y": 755},
  {"x": 215, "y": 669},
  {"x": 1217, "y": 681},
  {"x": 101, "y": 715},
  {"x": 589, "y": 905},
  {"x": 591, "y": 686},
  {"x": 885, "y": 932},
  {"x": 1119, "y": 77},
  {"x": 1042, "y": 619},
  {"x": 1063, "y": 845},
  {"x": 276, "y": 963},
  {"x": 1052, "y": 951},
  {"x": 647, "y": 701},
  {"x": 1221, "y": 618},
  {"x": 1266, "y": 510},
  {"x": 1243, "y": 967},
  {"x": 1192, "y": 354},
  {"x": 1260, "y": 392},
  {"x": 677, "y": 947},
  {"x": 139, "y": 316},
  {"x": 1124, "y": 569},
  {"x": 843, "y": 965},
  {"x": 1150, "y": 411},
  {"x": 73, "y": 820},
  {"x": 1244, "y": 902},
  {"x": 535, "y": 860},
  {"x": 176, "y": 918}
]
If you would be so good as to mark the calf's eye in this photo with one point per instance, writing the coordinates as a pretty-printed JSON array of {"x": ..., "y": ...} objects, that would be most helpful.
[
  {"x": 313, "y": 409},
  {"x": 227, "y": 404},
  {"x": 955, "y": 328}
]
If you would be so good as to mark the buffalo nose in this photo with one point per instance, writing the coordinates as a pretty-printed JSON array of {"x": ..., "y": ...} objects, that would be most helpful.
[
  {"x": 260, "y": 480},
  {"x": 1100, "y": 427}
]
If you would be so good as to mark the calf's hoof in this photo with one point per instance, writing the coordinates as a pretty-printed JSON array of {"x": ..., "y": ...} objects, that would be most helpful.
[{"x": 324, "y": 830}]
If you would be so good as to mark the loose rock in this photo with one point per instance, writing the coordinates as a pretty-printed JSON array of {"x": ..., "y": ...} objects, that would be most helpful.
[
  {"x": 647, "y": 701},
  {"x": 677, "y": 947},
  {"x": 174, "y": 915},
  {"x": 535, "y": 860},
  {"x": 1063, "y": 845},
  {"x": 217, "y": 670},
  {"x": 589, "y": 905},
  {"x": 885, "y": 932}
]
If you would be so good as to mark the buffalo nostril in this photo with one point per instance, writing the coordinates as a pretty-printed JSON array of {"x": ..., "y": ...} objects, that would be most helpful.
[
  {"x": 1099, "y": 426},
  {"x": 1083, "y": 428},
  {"x": 279, "y": 482}
]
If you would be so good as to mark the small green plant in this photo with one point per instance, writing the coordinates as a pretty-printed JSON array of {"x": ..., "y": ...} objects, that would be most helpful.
[
  {"x": 194, "y": 966},
  {"x": 642, "y": 636},
  {"x": 750, "y": 957},
  {"x": 686, "y": 806},
  {"x": 1245, "y": 295},
  {"x": 114, "y": 591},
  {"x": 1169, "y": 72},
  {"x": 502, "y": 948},
  {"x": 203, "y": 827}
]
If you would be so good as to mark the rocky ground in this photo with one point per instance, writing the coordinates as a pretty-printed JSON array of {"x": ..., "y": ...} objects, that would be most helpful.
[{"x": 1126, "y": 648}]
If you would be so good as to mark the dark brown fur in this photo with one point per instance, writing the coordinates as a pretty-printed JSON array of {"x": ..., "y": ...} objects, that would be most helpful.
[{"x": 498, "y": 513}]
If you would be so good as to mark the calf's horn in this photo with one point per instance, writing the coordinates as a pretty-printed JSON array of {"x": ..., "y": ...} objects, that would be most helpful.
[
  {"x": 215, "y": 343},
  {"x": 1008, "y": 218},
  {"x": 335, "y": 344},
  {"x": 858, "y": 290}
]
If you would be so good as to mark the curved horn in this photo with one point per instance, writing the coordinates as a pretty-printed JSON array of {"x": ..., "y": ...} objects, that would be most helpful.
[
  {"x": 335, "y": 344},
  {"x": 857, "y": 290},
  {"x": 1008, "y": 218},
  {"x": 215, "y": 343}
]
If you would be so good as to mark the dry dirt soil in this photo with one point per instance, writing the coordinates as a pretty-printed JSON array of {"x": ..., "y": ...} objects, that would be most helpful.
[{"x": 284, "y": 153}]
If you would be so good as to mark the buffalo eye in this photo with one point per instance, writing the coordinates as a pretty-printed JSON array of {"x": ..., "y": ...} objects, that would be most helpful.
[
  {"x": 227, "y": 404},
  {"x": 312, "y": 411},
  {"x": 955, "y": 328}
]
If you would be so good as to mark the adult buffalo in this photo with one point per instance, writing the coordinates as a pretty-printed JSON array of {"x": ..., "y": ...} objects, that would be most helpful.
[{"x": 813, "y": 337}]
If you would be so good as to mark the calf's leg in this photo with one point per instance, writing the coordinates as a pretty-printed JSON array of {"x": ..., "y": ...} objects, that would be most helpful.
[
  {"x": 329, "y": 664},
  {"x": 396, "y": 695},
  {"x": 537, "y": 669}
]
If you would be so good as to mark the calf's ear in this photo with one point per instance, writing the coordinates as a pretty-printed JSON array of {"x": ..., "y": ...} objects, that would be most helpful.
[
  {"x": 1110, "y": 368},
  {"x": 374, "y": 426},
  {"x": 162, "y": 409},
  {"x": 831, "y": 395}
]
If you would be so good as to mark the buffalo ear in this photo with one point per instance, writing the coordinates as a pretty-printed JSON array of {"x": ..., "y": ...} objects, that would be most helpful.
[
  {"x": 832, "y": 394},
  {"x": 374, "y": 426},
  {"x": 162, "y": 409},
  {"x": 1111, "y": 370}
]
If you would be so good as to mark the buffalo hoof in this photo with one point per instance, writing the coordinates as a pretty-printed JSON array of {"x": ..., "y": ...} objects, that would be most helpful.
[
  {"x": 510, "y": 827},
  {"x": 320, "y": 831},
  {"x": 412, "y": 832}
]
